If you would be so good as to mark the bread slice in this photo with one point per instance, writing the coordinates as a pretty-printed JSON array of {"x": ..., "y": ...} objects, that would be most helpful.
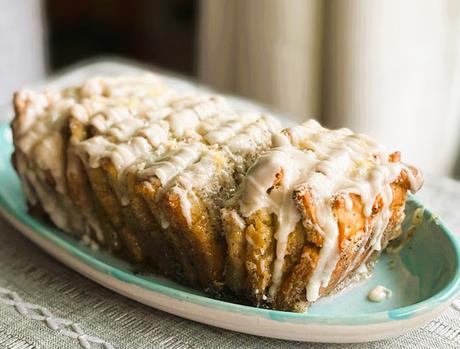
[{"x": 310, "y": 212}]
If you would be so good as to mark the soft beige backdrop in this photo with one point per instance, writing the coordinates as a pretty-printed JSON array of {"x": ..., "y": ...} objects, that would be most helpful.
[
  {"x": 22, "y": 45},
  {"x": 264, "y": 49},
  {"x": 387, "y": 68}
]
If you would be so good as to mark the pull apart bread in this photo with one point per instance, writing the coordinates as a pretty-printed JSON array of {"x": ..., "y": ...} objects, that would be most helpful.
[{"x": 219, "y": 200}]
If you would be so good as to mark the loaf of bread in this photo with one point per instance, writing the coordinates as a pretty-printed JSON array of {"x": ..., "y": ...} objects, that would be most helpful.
[{"x": 218, "y": 200}]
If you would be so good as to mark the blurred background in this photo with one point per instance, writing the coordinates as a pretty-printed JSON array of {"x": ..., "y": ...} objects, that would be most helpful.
[{"x": 389, "y": 68}]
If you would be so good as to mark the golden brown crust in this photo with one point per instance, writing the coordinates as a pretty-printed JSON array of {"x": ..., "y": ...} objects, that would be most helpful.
[
  {"x": 355, "y": 233},
  {"x": 204, "y": 244},
  {"x": 235, "y": 270},
  {"x": 260, "y": 253},
  {"x": 149, "y": 191},
  {"x": 292, "y": 293},
  {"x": 157, "y": 249}
]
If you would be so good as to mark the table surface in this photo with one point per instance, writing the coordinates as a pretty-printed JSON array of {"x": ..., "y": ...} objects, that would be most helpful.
[{"x": 43, "y": 304}]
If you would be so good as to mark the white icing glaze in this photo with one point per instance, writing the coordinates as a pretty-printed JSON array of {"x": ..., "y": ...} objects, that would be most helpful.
[
  {"x": 189, "y": 117},
  {"x": 168, "y": 167},
  {"x": 121, "y": 86},
  {"x": 362, "y": 269},
  {"x": 156, "y": 134},
  {"x": 216, "y": 121},
  {"x": 50, "y": 202},
  {"x": 34, "y": 105},
  {"x": 195, "y": 176},
  {"x": 229, "y": 129},
  {"x": 110, "y": 116},
  {"x": 182, "y": 121},
  {"x": 124, "y": 126},
  {"x": 328, "y": 163},
  {"x": 43, "y": 140},
  {"x": 48, "y": 111},
  {"x": 126, "y": 153},
  {"x": 250, "y": 138},
  {"x": 378, "y": 294},
  {"x": 34, "y": 135},
  {"x": 238, "y": 220},
  {"x": 199, "y": 174},
  {"x": 153, "y": 114},
  {"x": 49, "y": 156},
  {"x": 186, "y": 206}
]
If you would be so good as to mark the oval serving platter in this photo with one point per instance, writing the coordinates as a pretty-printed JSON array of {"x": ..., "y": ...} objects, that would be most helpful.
[{"x": 424, "y": 277}]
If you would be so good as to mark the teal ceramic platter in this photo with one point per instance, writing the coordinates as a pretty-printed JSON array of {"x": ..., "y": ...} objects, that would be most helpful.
[{"x": 424, "y": 277}]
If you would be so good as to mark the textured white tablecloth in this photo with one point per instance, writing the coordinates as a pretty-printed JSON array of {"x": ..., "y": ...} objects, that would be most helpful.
[{"x": 45, "y": 305}]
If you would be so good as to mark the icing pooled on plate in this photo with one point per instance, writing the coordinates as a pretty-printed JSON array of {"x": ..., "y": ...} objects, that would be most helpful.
[{"x": 378, "y": 294}]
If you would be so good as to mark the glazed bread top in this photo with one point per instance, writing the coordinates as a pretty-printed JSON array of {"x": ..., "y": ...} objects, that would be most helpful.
[{"x": 139, "y": 125}]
